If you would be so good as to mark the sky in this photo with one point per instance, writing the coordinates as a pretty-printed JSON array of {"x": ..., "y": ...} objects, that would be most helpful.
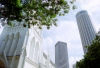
[{"x": 67, "y": 31}]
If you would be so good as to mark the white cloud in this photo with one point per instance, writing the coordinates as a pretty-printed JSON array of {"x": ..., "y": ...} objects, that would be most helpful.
[
  {"x": 73, "y": 60},
  {"x": 47, "y": 43},
  {"x": 67, "y": 31},
  {"x": 92, "y": 6}
]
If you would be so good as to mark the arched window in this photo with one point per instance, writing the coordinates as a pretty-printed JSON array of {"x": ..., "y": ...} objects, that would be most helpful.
[
  {"x": 37, "y": 52},
  {"x": 32, "y": 48}
]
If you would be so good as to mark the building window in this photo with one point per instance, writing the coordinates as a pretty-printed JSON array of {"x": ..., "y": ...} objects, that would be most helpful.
[{"x": 32, "y": 48}]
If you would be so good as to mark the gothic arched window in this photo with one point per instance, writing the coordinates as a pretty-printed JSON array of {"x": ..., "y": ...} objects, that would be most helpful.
[
  {"x": 37, "y": 52},
  {"x": 32, "y": 48}
]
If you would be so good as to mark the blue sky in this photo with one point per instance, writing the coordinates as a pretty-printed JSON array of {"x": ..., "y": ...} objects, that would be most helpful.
[{"x": 67, "y": 31}]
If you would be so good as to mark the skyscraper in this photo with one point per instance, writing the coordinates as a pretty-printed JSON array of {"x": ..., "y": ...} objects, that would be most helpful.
[
  {"x": 86, "y": 30},
  {"x": 61, "y": 55}
]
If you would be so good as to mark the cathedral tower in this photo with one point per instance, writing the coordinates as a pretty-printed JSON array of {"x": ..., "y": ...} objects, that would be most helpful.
[{"x": 20, "y": 47}]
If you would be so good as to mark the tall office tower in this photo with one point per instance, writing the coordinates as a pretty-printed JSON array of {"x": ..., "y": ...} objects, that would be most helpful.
[
  {"x": 86, "y": 30},
  {"x": 61, "y": 55}
]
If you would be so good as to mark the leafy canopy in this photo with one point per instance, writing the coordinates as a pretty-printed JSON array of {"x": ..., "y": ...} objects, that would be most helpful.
[
  {"x": 34, "y": 12},
  {"x": 92, "y": 57}
]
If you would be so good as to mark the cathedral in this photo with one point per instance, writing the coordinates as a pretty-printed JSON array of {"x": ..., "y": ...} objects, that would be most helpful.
[{"x": 21, "y": 47}]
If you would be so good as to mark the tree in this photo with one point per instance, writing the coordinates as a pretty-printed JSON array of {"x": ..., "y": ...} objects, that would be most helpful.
[
  {"x": 92, "y": 57},
  {"x": 34, "y": 12}
]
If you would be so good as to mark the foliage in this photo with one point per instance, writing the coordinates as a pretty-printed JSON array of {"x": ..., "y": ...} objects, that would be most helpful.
[
  {"x": 35, "y": 12},
  {"x": 92, "y": 57}
]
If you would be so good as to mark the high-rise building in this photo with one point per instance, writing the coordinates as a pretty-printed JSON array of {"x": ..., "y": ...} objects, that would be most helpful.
[
  {"x": 61, "y": 55},
  {"x": 86, "y": 30}
]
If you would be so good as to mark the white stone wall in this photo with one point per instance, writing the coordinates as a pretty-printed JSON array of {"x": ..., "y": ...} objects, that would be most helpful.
[
  {"x": 33, "y": 49},
  {"x": 11, "y": 38},
  {"x": 47, "y": 62},
  {"x": 25, "y": 44},
  {"x": 11, "y": 44},
  {"x": 22, "y": 42}
]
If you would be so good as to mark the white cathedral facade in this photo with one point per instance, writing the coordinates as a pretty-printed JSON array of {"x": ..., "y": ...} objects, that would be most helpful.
[{"x": 21, "y": 47}]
